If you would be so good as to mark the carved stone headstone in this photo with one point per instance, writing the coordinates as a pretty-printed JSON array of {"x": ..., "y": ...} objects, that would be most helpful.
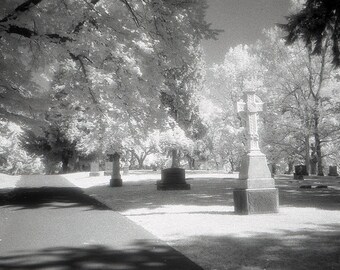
[
  {"x": 173, "y": 179},
  {"x": 333, "y": 171},
  {"x": 256, "y": 192},
  {"x": 300, "y": 172},
  {"x": 116, "y": 179},
  {"x": 94, "y": 169}
]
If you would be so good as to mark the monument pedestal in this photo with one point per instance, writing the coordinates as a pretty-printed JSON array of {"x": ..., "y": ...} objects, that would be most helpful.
[
  {"x": 116, "y": 182},
  {"x": 256, "y": 193},
  {"x": 256, "y": 201},
  {"x": 172, "y": 179}
]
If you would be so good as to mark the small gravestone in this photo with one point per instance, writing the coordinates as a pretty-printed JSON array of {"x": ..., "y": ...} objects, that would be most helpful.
[
  {"x": 108, "y": 168},
  {"x": 300, "y": 172},
  {"x": 321, "y": 186},
  {"x": 94, "y": 169},
  {"x": 173, "y": 179},
  {"x": 306, "y": 186},
  {"x": 333, "y": 171},
  {"x": 116, "y": 179},
  {"x": 256, "y": 192}
]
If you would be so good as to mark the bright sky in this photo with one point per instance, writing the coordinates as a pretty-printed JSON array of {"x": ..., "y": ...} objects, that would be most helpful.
[{"x": 242, "y": 22}]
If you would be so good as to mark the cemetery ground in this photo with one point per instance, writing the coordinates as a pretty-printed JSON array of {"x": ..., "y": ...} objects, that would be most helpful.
[{"x": 200, "y": 223}]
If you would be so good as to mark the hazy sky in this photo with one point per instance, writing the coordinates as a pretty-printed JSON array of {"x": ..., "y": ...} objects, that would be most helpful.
[{"x": 242, "y": 22}]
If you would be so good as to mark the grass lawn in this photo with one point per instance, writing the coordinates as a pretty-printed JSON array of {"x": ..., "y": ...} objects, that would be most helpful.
[{"x": 201, "y": 223}]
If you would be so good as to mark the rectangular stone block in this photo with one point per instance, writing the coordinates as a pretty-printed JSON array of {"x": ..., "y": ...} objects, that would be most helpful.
[
  {"x": 255, "y": 183},
  {"x": 256, "y": 201},
  {"x": 94, "y": 169},
  {"x": 94, "y": 174}
]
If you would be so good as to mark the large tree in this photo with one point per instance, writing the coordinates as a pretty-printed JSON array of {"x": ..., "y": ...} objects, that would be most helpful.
[
  {"x": 315, "y": 22},
  {"x": 132, "y": 44},
  {"x": 303, "y": 86},
  {"x": 112, "y": 61}
]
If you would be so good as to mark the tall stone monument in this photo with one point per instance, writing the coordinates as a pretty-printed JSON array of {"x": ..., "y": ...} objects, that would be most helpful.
[
  {"x": 256, "y": 192},
  {"x": 116, "y": 179}
]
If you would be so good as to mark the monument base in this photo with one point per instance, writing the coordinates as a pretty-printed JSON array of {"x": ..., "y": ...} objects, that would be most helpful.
[
  {"x": 173, "y": 179},
  {"x": 256, "y": 201},
  {"x": 298, "y": 177},
  {"x": 94, "y": 173},
  {"x": 106, "y": 173},
  {"x": 116, "y": 182},
  {"x": 168, "y": 186}
]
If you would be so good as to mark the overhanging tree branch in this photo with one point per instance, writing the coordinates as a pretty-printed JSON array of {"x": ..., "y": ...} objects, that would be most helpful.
[
  {"x": 28, "y": 33},
  {"x": 20, "y": 9},
  {"x": 128, "y": 6},
  {"x": 78, "y": 58}
]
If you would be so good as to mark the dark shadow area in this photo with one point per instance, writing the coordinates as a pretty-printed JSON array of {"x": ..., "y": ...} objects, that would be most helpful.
[
  {"x": 327, "y": 199},
  {"x": 222, "y": 213},
  {"x": 143, "y": 256},
  {"x": 52, "y": 197},
  {"x": 293, "y": 250},
  {"x": 146, "y": 196},
  {"x": 215, "y": 192}
]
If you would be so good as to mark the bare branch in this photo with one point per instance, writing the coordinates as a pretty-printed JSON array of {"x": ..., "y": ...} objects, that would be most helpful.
[
  {"x": 78, "y": 58},
  {"x": 126, "y": 3}
]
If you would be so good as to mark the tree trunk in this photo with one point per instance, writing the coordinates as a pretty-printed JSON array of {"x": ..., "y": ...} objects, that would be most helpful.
[
  {"x": 307, "y": 150},
  {"x": 318, "y": 144},
  {"x": 175, "y": 158},
  {"x": 191, "y": 162},
  {"x": 290, "y": 167},
  {"x": 232, "y": 164},
  {"x": 141, "y": 163},
  {"x": 65, "y": 158}
]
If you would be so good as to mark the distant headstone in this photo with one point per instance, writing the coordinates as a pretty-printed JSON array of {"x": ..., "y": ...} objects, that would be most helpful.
[
  {"x": 173, "y": 179},
  {"x": 333, "y": 171},
  {"x": 126, "y": 167},
  {"x": 108, "y": 168},
  {"x": 321, "y": 186},
  {"x": 94, "y": 169},
  {"x": 306, "y": 186},
  {"x": 256, "y": 192},
  {"x": 300, "y": 172}
]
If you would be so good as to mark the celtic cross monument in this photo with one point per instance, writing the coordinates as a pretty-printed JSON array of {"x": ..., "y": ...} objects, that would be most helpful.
[{"x": 256, "y": 192}]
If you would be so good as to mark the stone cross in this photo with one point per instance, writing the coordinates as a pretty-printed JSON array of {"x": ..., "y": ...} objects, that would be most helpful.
[{"x": 248, "y": 110}]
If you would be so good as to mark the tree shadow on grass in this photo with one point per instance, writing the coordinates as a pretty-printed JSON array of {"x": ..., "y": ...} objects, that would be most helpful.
[
  {"x": 51, "y": 197},
  {"x": 326, "y": 199},
  {"x": 300, "y": 249},
  {"x": 147, "y": 196},
  {"x": 144, "y": 255}
]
